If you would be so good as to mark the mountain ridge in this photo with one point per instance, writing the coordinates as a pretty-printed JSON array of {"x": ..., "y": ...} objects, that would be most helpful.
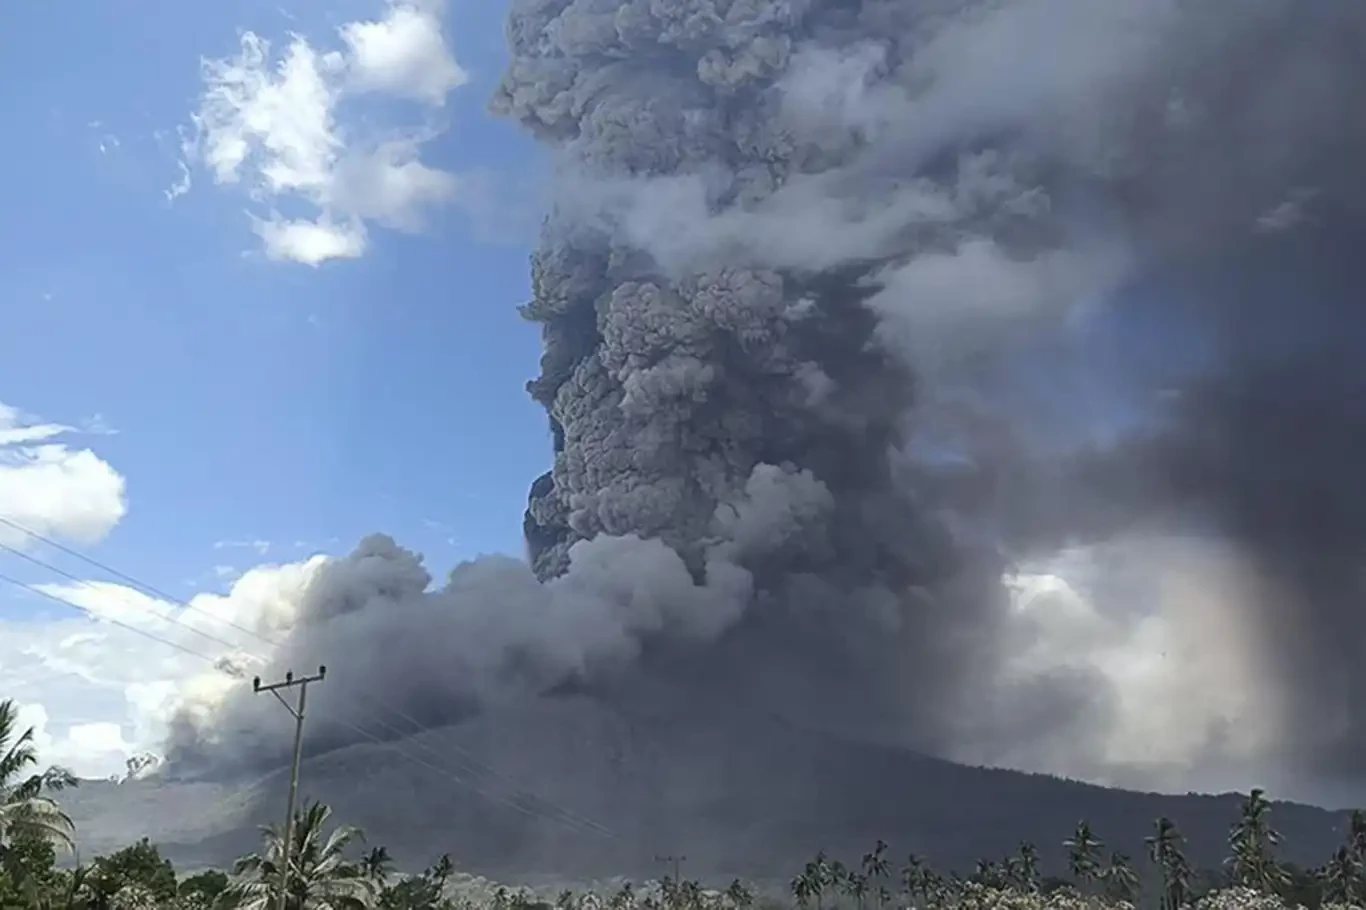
[{"x": 753, "y": 802}]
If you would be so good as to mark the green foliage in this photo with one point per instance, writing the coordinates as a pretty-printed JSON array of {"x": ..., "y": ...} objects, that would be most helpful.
[
  {"x": 1166, "y": 851},
  {"x": 321, "y": 876},
  {"x": 1083, "y": 854},
  {"x": 1302, "y": 887},
  {"x": 28, "y": 869},
  {"x": 1253, "y": 842},
  {"x": 26, "y": 805},
  {"x": 140, "y": 868},
  {"x": 10, "y": 893},
  {"x": 1121, "y": 881},
  {"x": 411, "y": 893},
  {"x": 208, "y": 885},
  {"x": 328, "y": 871},
  {"x": 1339, "y": 879},
  {"x": 420, "y": 892}
]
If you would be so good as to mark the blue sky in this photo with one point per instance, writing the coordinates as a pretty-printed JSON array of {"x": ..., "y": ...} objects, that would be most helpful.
[{"x": 253, "y": 398}]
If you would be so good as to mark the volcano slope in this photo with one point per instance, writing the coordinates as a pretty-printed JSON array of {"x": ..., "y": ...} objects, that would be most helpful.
[
  {"x": 825, "y": 290},
  {"x": 740, "y": 795},
  {"x": 795, "y": 245}
]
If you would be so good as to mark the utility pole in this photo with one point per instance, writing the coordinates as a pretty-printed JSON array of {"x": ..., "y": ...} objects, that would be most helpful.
[
  {"x": 297, "y": 710},
  {"x": 675, "y": 862}
]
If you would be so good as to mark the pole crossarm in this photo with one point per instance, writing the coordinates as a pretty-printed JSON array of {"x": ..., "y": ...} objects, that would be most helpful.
[
  {"x": 297, "y": 712},
  {"x": 674, "y": 861}
]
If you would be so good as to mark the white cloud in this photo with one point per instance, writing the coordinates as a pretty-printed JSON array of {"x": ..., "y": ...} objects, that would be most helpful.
[
  {"x": 1156, "y": 626},
  {"x": 99, "y": 693},
  {"x": 52, "y": 488},
  {"x": 275, "y": 128},
  {"x": 99, "y": 747},
  {"x": 404, "y": 54},
  {"x": 311, "y": 242}
]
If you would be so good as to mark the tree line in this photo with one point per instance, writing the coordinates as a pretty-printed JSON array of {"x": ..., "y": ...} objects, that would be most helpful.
[{"x": 332, "y": 868}]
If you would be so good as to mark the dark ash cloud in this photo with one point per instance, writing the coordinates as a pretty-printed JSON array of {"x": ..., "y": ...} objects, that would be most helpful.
[{"x": 851, "y": 309}]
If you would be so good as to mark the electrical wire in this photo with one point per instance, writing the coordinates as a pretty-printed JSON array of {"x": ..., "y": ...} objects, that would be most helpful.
[
  {"x": 391, "y": 744},
  {"x": 522, "y": 796},
  {"x": 474, "y": 764}
]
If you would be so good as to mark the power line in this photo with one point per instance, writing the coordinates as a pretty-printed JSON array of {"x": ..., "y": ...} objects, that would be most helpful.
[
  {"x": 34, "y": 589},
  {"x": 557, "y": 813},
  {"x": 472, "y": 764},
  {"x": 86, "y": 582},
  {"x": 566, "y": 820},
  {"x": 142, "y": 586},
  {"x": 564, "y": 817},
  {"x": 233, "y": 793}
]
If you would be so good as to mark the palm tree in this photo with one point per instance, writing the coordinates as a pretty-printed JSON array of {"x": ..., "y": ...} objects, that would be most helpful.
[
  {"x": 804, "y": 887},
  {"x": 625, "y": 896},
  {"x": 1252, "y": 840},
  {"x": 1356, "y": 837},
  {"x": 320, "y": 875},
  {"x": 443, "y": 870},
  {"x": 25, "y": 809},
  {"x": 378, "y": 865},
  {"x": 689, "y": 895},
  {"x": 856, "y": 886},
  {"x": 739, "y": 895},
  {"x": 1339, "y": 877},
  {"x": 1121, "y": 881},
  {"x": 1028, "y": 867},
  {"x": 1164, "y": 850},
  {"x": 822, "y": 875},
  {"x": 915, "y": 881},
  {"x": 986, "y": 874},
  {"x": 876, "y": 869},
  {"x": 836, "y": 875},
  {"x": 1012, "y": 874},
  {"x": 1083, "y": 854}
]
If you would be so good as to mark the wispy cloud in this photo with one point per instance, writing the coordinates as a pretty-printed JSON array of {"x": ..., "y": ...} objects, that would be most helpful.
[
  {"x": 442, "y": 529},
  {"x": 262, "y": 547},
  {"x": 226, "y": 573},
  {"x": 96, "y": 425},
  {"x": 182, "y": 184},
  {"x": 274, "y": 126},
  {"x": 105, "y": 141},
  {"x": 317, "y": 546}
]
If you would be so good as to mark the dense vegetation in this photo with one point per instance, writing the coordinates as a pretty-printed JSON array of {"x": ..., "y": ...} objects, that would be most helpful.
[{"x": 331, "y": 868}]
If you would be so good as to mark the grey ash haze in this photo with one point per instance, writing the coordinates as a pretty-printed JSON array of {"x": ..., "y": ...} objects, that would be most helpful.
[{"x": 857, "y": 316}]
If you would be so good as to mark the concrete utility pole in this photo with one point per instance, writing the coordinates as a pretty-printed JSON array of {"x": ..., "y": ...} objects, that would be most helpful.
[
  {"x": 297, "y": 710},
  {"x": 675, "y": 862}
]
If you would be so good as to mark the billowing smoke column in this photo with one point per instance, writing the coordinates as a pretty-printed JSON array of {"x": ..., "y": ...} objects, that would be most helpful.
[
  {"x": 774, "y": 215},
  {"x": 867, "y": 321}
]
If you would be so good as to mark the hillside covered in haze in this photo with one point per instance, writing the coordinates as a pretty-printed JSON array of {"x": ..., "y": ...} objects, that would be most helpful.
[{"x": 755, "y": 802}]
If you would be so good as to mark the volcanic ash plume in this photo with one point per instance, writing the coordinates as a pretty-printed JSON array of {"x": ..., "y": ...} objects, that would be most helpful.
[{"x": 844, "y": 306}]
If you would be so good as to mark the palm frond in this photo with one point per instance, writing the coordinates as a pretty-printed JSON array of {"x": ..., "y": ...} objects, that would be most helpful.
[
  {"x": 38, "y": 816},
  {"x": 17, "y": 750}
]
